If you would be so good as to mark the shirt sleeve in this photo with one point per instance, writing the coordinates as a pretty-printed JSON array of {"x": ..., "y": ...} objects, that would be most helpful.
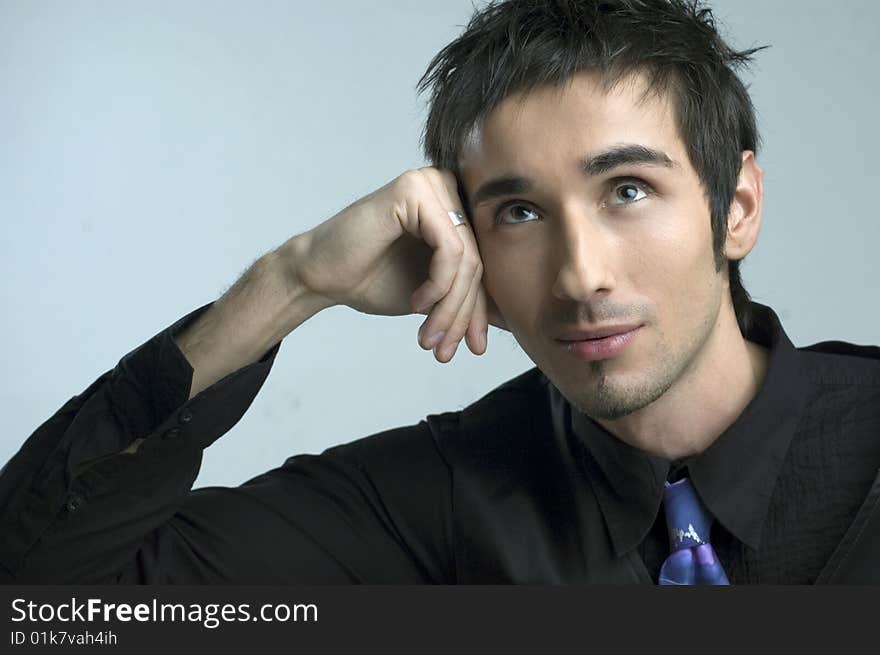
[{"x": 74, "y": 508}]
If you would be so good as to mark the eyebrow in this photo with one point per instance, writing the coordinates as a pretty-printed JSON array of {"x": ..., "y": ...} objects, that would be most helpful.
[{"x": 602, "y": 162}]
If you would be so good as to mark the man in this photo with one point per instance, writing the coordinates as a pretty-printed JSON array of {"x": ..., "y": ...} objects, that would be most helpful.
[{"x": 594, "y": 189}]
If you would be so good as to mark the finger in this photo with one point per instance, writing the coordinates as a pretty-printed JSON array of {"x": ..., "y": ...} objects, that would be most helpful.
[
  {"x": 445, "y": 187},
  {"x": 434, "y": 228},
  {"x": 445, "y": 262},
  {"x": 447, "y": 347},
  {"x": 477, "y": 333},
  {"x": 441, "y": 319}
]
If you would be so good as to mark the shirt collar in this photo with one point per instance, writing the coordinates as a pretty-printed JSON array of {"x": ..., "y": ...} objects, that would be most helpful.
[{"x": 734, "y": 476}]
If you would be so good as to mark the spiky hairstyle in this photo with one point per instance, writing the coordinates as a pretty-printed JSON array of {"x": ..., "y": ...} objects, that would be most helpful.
[{"x": 518, "y": 45}]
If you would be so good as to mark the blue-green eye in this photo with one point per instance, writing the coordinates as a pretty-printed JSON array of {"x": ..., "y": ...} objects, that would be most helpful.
[
  {"x": 628, "y": 192},
  {"x": 513, "y": 213},
  {"x": 623, "y": 191}
]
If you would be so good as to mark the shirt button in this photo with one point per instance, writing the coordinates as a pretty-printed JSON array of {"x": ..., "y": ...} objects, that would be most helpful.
[
  {"x": 74, "y": 502},
  {"x": 185, "y": 415},
  {"x": 172, "y": 433}
]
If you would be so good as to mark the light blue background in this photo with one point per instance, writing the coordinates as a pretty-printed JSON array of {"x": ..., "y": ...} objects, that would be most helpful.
[{"x": 150, "y": 151}]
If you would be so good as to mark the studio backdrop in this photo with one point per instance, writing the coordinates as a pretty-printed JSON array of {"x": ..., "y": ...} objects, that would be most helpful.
[{"x": 151, "y": 150}]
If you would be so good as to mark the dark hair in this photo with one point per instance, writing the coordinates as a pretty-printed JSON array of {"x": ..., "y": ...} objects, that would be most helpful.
[{"x": 518, "y": 45}]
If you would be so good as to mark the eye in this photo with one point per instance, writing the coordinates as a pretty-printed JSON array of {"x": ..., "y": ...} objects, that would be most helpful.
[
  {"x": 627, "y": 192},
  {"x": 513, "y": 213}
]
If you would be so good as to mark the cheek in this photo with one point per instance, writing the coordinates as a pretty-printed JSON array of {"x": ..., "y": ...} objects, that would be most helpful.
[
  {"x": 500, "y": 276},
  {"x": 510, "y": 276},
  {"x": 681, "y": 275},
  {"x": 679, "y": 245}
]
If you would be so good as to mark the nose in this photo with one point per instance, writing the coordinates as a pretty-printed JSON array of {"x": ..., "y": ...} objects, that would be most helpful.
[{"x": 584, "y": 258}]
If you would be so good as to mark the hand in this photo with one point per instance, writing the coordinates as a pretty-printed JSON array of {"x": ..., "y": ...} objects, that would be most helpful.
[{"x": 396, "y": 251}]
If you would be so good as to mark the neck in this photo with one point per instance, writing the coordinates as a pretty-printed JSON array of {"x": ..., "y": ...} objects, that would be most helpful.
[{"x": 718, "y": 385}]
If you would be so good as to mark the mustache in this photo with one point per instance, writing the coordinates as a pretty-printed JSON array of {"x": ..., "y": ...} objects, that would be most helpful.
[{"x": 601, "y": 313}]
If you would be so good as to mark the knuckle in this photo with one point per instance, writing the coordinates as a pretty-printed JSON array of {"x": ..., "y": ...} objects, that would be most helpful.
[
  {"x": 445, "y": 184},
  {"x": 410, "y": 181},
  {"x": 440, "y": 287},
  {"x": 468, "y": 265},
  {"x": 474, "y": 263},
  {"x": 450, "y": 181},
  {"x": 456, "y": 248},
  {"x": 447, "y": 288},
  {"x": 427, "y": 171}
]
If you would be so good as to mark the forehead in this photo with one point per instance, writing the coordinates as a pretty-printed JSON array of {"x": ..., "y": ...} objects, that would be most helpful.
[{"x": 554, "y": 125}]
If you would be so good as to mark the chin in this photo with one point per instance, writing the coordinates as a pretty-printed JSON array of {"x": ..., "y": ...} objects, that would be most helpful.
[{"x": 601, "y": 394}]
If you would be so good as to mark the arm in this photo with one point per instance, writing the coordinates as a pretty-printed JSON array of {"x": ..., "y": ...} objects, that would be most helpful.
[
  {"x": 101, "y": 491},
  {"x": 80, "y": 504},
  {"x": 78, "y": 470},
  {"x": 266, "y": 304}
]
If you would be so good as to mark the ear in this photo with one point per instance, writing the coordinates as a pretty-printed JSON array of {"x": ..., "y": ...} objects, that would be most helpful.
[{"x": 744, "y": 218}]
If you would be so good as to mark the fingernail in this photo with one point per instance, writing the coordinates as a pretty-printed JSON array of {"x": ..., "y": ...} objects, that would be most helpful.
[
  {"x": 484, "y": 340},
  {"x": 435, "y": 338}
]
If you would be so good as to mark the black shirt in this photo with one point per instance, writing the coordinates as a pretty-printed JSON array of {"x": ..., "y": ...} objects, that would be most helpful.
[{"x": 516, "y": 488}]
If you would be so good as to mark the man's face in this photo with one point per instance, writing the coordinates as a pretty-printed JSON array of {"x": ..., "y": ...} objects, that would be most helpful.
[{"x": 607, "y": 226}]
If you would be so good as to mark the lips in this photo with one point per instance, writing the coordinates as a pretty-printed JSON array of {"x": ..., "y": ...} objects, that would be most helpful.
[
  {"x": 584, "y": 334},
  {"x": 612, "y": 343}
]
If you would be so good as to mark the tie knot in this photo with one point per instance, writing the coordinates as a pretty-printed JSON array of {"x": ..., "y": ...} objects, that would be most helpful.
[{"x": 687, "y": 519}]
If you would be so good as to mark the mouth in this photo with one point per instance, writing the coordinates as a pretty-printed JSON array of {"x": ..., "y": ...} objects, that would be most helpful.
[{"x": 600, "y": 344}]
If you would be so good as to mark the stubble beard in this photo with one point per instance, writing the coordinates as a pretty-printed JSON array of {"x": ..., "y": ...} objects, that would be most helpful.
[
  {"x": 609, "y": 395},
  {"x": 608, "y": 398}
]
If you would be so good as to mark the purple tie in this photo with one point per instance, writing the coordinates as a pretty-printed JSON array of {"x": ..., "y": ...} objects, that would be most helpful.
[{"x": 691, "y": 559}]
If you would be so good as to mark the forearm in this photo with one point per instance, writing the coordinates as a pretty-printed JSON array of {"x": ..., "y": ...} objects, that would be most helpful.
[
  {"x": 93, "y": 486},
  {"x": 266, "y": 303}
]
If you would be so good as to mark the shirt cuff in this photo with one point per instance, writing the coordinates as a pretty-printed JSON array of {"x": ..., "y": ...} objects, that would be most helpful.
[{"x": 144, "y": 396}]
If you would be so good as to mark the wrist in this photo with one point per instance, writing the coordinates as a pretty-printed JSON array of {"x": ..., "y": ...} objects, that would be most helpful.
[{"x": 284, "y": 266}]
